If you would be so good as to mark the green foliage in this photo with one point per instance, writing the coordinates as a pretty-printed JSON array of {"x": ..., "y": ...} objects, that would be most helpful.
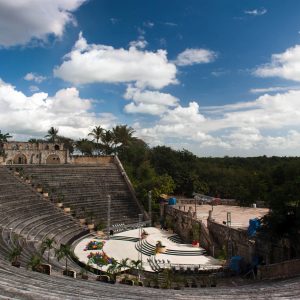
[
  {"x": 85, "y": 146},
  {"x": 64, "y": 251},
  {"x": 34, "y": 262}
]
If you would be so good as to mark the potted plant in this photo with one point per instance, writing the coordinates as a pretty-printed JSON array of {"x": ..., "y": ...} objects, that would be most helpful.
[
  {"x": 45, "y": 193},
  {"x": 39, "y": 188},
  {"x": 81, "y": 214},
  {"x": 27, "y": 179},
  {"x": 99, "y": 228},
  {"x": 14, "y": 256},
  {"x": 91, "y": 224},
  {"x": 84, "y": 272},
  {"x": 35, "y": 263},
  {"x": 67, "y": 209},
  {"x": 59, "y": 202},
  {"x": 64, "y": 251}
]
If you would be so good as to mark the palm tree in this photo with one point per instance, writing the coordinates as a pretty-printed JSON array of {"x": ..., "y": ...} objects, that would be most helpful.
[
  {"x": 52, "y": 135},
  {"x": 14, "y": 254},
  {"x": 113, "y": 269},
  {"x": 85, "y": 146},
  {"x": 108, "y": 142},
  {"x": 4, "y": 137},
  {"x": 136, "y": 264},
  {"x": 123, "y": 264},
  {"x": 122, "y": 135},
  {"x": 64, "y": 251},
  {"x": 35, "y": 262},
  {"x": 47, "y": 244},
  {"x": 97, "y": 134}
]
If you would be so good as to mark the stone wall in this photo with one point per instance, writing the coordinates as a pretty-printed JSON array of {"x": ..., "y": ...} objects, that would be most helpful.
[
  {"x": 281, "y": 270},
  {"x": 242, "y": 245},
  {"x": 35, "y": 153},
  {"x": 86, "y": 160},
  {"x": 183, "y": 224}
]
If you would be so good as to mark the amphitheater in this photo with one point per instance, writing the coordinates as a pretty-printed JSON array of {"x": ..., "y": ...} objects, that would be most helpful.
[{"x": 29, "y": 216}]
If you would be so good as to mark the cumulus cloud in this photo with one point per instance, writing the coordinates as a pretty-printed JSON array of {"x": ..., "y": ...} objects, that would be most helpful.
[
  {"x": 285, "y": 65},
  {"x": 256, "y": 12},
  {"x": 90, "y": 63},
  {"x": 23, "y": 21},
  {"x": 246, "y": 128},
  {"x": 34, "y": 115},
  {"x": 148, "y": 102},
  {"x": 139, "y": 44},
  {"x": 33, "y": 88},
  {"x": 34, "y": 77},
  {"x": 195, "y": 56}
]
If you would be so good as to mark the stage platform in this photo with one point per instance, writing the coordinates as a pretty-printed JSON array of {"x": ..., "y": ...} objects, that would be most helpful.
[{"x": 128, "y": 245}]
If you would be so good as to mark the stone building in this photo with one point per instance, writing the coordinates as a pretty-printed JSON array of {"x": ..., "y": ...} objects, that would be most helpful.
[{"x": 34, "y": 153}]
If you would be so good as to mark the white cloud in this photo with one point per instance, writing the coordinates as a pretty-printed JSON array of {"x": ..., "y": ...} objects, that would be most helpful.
[
  {"x": 195, "y": 56},
  {"x": 273, "y": 89},
  {"x": 90, "y": 63},
  {"x": 141, "y": 44},
  {"x": 34, "y": 115},
  {"x": 171, "y": 24},
  {"x": 22, "y": 21},
  {"x": 148, "y": 102},
  {"x": 33, "y": 88},
  {"x": 148, "y": 24},
  {"x": 247, "y": 128},
  {"x": 34, "y": 77},
  {"x": 285, "y": 65},
  {"x": 256, "y": 12}
]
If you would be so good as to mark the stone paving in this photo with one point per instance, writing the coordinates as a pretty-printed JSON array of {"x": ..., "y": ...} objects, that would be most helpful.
[{"x": 240, "y": 216}]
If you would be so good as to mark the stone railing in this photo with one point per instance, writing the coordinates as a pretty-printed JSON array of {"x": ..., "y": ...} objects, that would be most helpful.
[
  {"x": 130, "y": 186},
  {"x": 285, "y": 269}
]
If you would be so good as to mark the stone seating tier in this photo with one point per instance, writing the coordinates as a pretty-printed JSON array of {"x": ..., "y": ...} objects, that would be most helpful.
[{"x": 87, "y": 187}]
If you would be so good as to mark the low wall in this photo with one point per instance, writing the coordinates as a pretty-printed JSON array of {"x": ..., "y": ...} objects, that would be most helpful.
[
  {"x": 285, "y": 269},
  {"x": 183, "y": 223},
  {"x": 242, "y": 245},
  {"x": 86, "y": 160}
]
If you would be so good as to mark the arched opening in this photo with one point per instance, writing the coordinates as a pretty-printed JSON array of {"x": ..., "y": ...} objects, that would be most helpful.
[
  {"x": 56, "y": 147},
  {"x": 53, "y": 159},
  {"x": 20, "y": 159}
]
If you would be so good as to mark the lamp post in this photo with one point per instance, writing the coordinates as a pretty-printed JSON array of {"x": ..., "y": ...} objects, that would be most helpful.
[
  {"x": 141, "y": 252},
  {"x": 108, "y": 215},
  {"x": 150, "y": 206}
]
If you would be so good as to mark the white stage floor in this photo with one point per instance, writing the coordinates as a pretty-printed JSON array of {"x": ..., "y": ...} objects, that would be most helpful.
[{"x": 121, "y": 249}]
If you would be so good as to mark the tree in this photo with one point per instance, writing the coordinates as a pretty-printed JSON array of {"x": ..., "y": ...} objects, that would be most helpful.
[
  {"x": 122, "y": 135},
  {"x": 113, "y": 269},
  {"x": 52, "y": 135},
  {"x": 64, "y": 251},
  {"x": 97, "y": 134},
  {"x": 107, "y": 142},
  {"x": 34, "y": 262},
  {"x": 85, "y": 146},
  {"x": 4, "y": 137},
  {"x": 47, "y": 244},
  {"x": 15, "y": 253},
  {"x": 136, "y": 264},
  {"x": 123, "y": 264}
]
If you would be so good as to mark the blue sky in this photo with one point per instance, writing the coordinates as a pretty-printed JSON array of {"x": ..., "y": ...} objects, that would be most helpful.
[{"x": 215, "y": 77}]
